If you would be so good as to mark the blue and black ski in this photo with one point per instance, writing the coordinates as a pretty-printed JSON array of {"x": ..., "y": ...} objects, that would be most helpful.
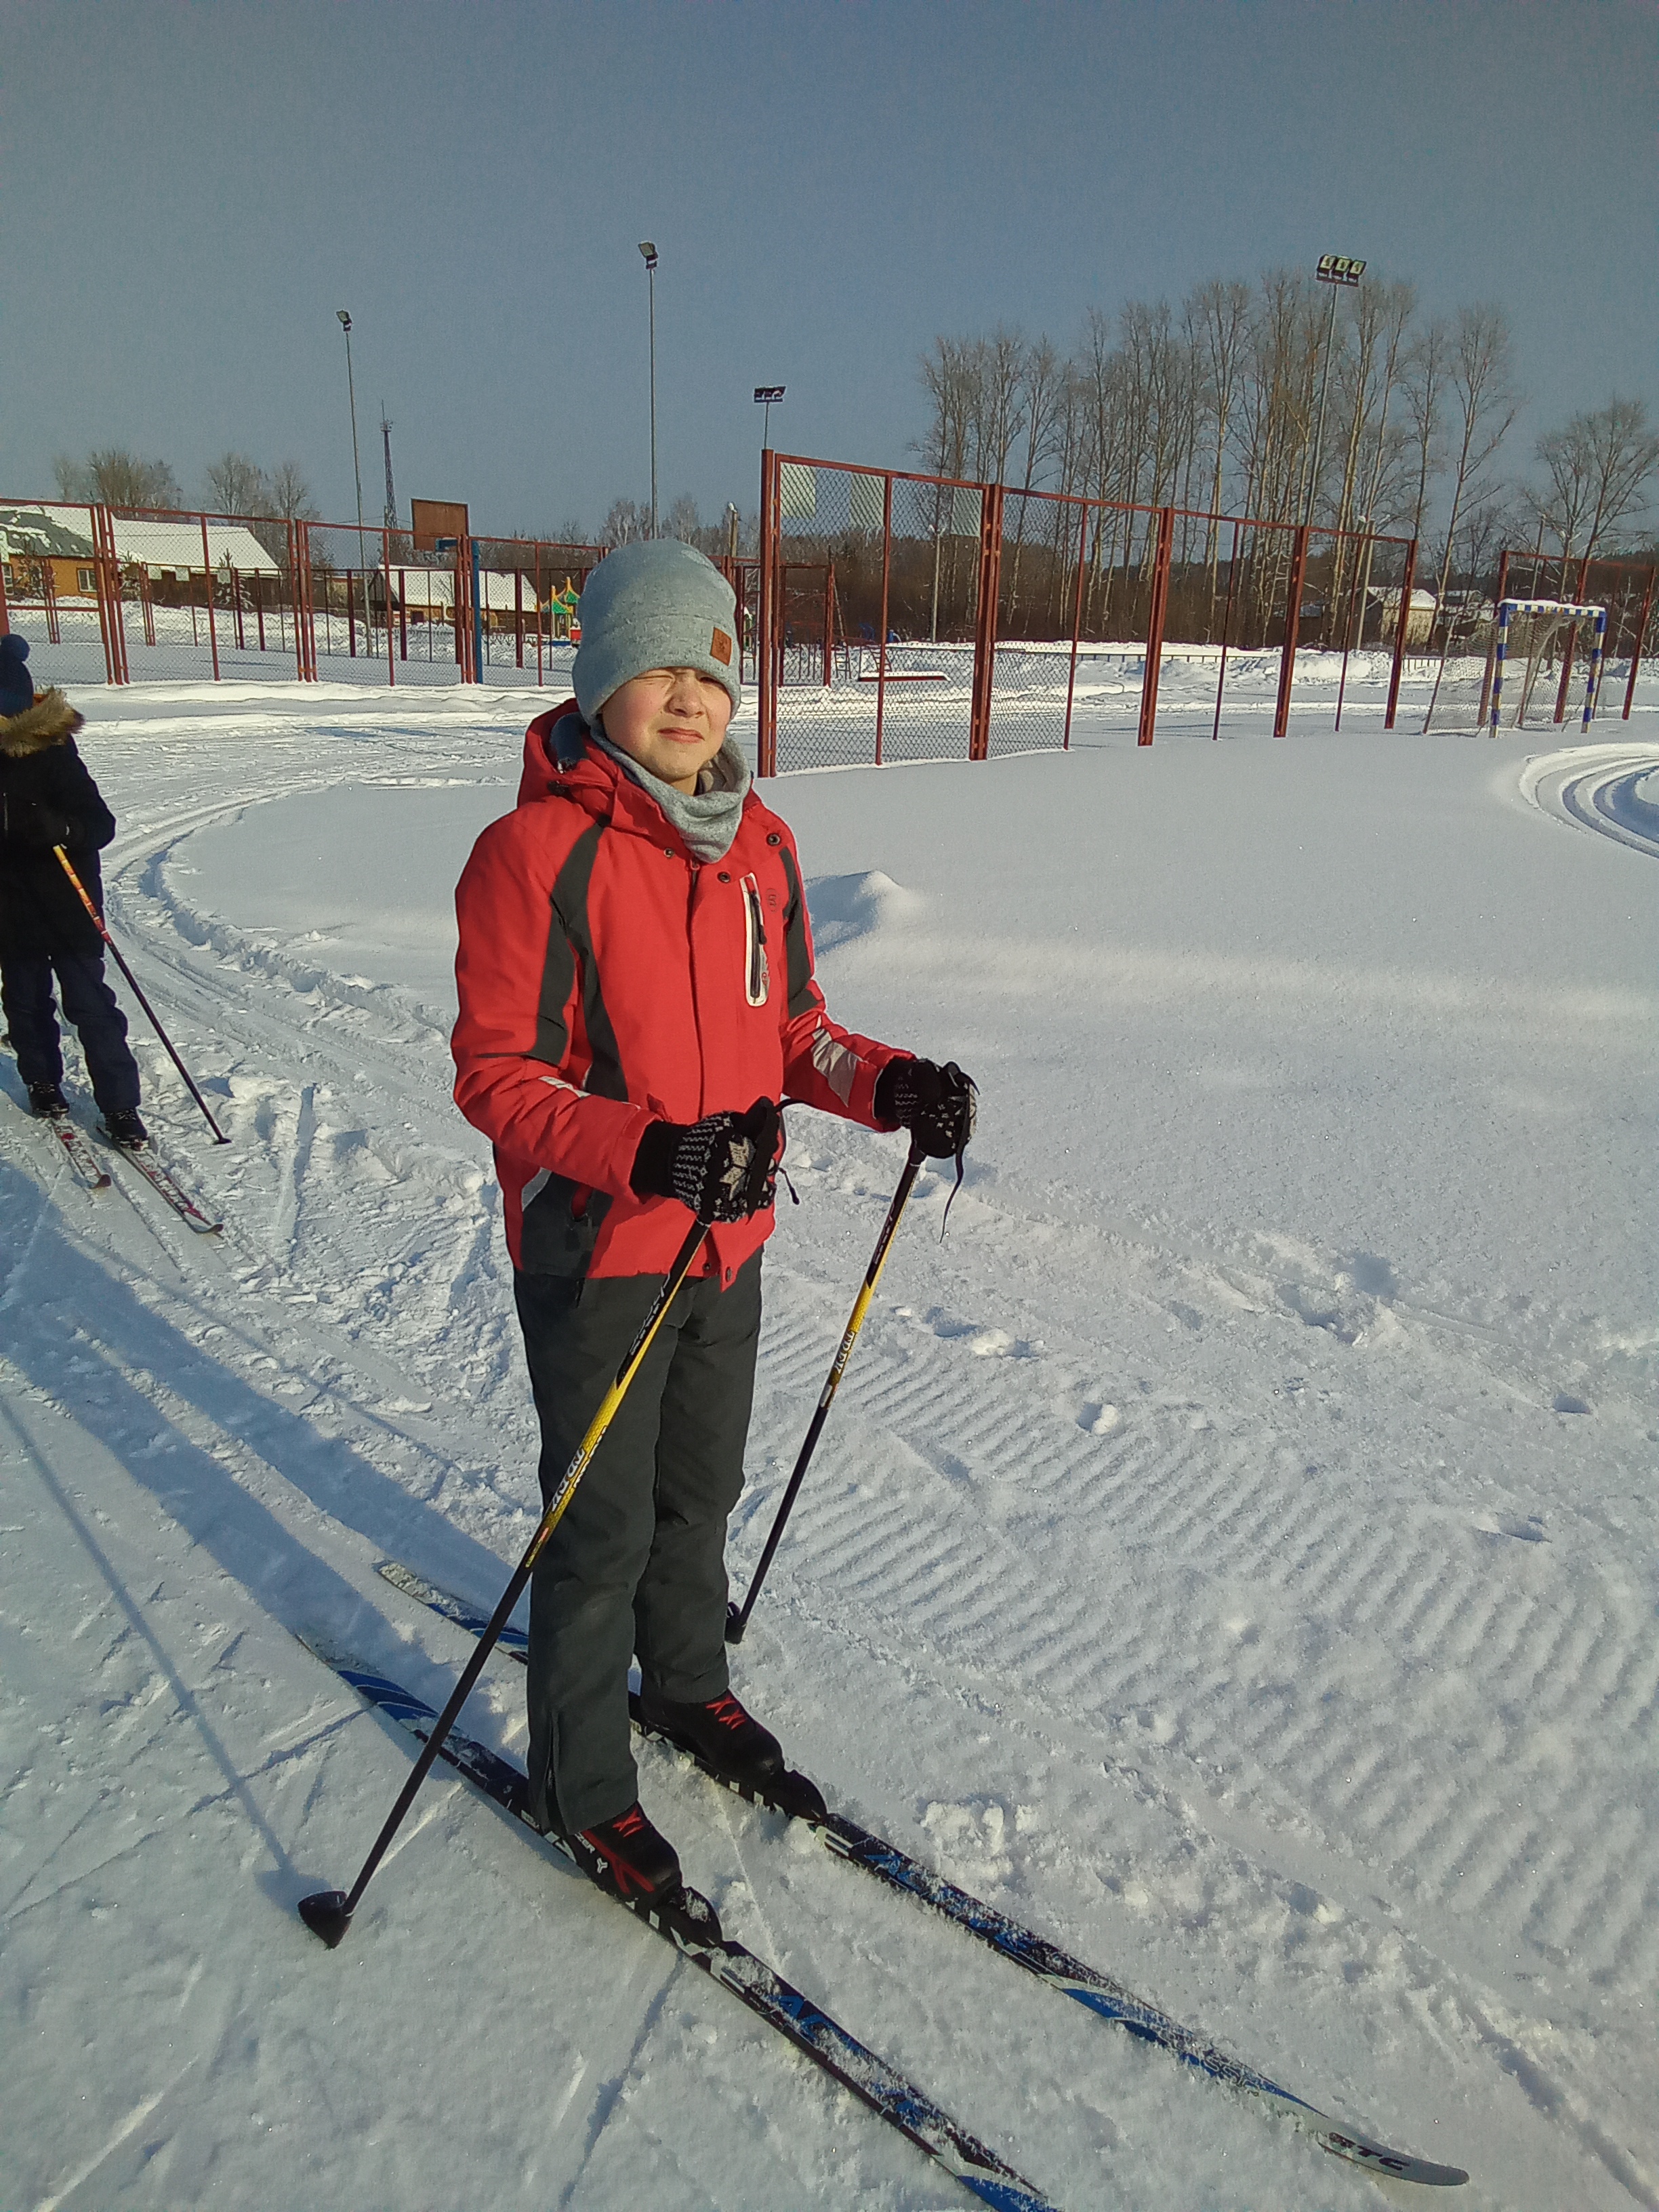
[
  {"x": 694, "y": 1930},
  {"x": 1099, "y": 1993}
]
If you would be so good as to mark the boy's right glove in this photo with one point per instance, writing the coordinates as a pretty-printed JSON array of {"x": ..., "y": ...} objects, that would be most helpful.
[
  {"x": 935, "y": 1104},
  {"x": 724, "y": 1167}
]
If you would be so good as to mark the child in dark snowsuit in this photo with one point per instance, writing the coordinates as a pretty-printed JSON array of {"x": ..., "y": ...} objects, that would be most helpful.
[
  {"x": 47, "y": 799},
  {"x": 635, "y": 981}
]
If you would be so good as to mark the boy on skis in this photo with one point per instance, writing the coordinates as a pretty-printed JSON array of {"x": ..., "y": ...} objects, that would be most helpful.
[
  {"x": 48, "y": 798},
  {"x": 636, "y": 996}
]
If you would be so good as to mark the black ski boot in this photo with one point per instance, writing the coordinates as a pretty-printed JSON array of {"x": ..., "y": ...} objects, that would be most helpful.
[
  {"x": 730, "y": 1743},
  {"x": 629, "y": 1858},
  {"x": 47, "y": 1098},
  {"x": 125, "y": 1128}
]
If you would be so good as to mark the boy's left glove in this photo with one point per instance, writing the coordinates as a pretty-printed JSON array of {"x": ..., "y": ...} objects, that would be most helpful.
[
  {"x": 935, "y": 1104},
  {"x": 724, "y": 1167}
]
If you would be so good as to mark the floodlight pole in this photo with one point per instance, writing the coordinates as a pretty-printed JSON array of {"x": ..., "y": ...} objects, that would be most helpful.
[
  {"x": 650, "y": 252},
  {"x": 1334, "y": 270},
  {"x": 391, "y": 496},
  {"x": 357, "y": 471}
]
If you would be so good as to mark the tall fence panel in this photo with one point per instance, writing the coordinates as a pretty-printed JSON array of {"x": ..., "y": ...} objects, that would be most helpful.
[{"x": 988, "y": 619}]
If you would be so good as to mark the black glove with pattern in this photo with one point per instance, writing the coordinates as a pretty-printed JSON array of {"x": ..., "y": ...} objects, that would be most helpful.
[
  {"x": 724, "y": 1167},
  {"x": 936, "y": 1104},
  {"x": 42, "y": 825}
]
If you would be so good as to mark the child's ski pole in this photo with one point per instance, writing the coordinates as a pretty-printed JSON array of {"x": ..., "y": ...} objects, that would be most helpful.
[
  {"x": 328, "y": 1912},
  {"x": 102, "y": 927},
  {"x": 737, "y": 1618}
]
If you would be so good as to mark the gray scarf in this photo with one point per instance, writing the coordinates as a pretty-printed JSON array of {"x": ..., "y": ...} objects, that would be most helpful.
[{"x": 705, "y": 819}]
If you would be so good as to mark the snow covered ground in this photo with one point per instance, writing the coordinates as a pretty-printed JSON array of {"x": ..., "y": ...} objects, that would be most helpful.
[{"x": 1233, "y": 1551}]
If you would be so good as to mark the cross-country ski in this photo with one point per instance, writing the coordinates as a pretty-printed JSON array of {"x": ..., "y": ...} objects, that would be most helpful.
[{"x": 1107, "y": 1999}]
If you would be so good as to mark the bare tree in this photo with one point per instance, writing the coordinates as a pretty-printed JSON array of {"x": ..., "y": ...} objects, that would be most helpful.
[
  {"x": 1427, "y": 366},
  {"x": 118, "y": 478},
  {"x": 1482, "y": 405},
  {"x": 1597, "y": 472},
  {"x": 237, "y": 485},
  {"x": 628, "y": 520},
  {"x": 290, "y": 494}
]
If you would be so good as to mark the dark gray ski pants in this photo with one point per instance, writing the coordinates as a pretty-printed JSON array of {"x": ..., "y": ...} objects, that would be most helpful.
[{"x": 637, "y": 1566}]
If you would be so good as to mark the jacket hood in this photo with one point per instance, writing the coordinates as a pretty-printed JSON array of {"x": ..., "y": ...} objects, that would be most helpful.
[{"x": 50, "y": 721}]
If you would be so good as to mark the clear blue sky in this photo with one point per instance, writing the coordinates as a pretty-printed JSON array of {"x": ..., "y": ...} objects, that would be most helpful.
[{"x": 190, "y": 190}]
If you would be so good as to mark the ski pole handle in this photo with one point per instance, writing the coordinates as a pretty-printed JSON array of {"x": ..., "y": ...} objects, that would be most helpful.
[
  {"x": 737, "y": 1618},
  {"x": 102, "y": 927}
]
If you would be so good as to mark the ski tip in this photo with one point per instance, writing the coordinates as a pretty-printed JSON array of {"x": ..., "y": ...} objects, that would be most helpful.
[
  {"x": 325, "y": 1914},
  {"x": 1398, "y": 2165}
]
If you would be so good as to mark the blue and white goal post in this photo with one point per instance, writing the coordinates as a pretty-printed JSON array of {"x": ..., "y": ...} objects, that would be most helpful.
[
  {"x": 1510, "y": 666},
  {"x": 1535, "y": 635}
]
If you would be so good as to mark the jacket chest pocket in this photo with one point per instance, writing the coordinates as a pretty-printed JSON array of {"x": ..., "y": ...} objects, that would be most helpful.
[{"x": 757, "y": 978}]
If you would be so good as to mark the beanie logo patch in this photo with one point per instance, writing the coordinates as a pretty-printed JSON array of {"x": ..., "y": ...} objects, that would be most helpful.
[{"x": 720, "y": 648}]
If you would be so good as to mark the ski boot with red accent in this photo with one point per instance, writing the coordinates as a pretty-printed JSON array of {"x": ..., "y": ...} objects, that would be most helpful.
[
  {"x": 728, "y": 1742},
  {"x": 630, "y": 1858}
]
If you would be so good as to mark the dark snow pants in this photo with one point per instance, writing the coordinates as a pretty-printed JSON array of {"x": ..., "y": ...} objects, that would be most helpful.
[
  {"x": 637, "y": 1565},
  {"x": 88, "y": 1002}
]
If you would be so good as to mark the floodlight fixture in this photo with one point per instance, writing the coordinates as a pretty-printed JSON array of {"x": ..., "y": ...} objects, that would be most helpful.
[
  {"x": 1338, "y": 269},
  {"x": 649, "y": 252}
]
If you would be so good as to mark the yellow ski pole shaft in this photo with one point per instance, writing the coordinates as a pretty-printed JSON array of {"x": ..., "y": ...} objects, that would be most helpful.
[{"x": 328, "y": 1912}]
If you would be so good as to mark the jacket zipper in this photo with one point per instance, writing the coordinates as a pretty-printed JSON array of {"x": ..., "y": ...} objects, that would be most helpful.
[{"x": 756, "y": 981}]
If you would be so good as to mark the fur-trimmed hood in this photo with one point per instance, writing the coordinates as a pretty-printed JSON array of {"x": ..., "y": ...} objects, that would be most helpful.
[{"x": 50, "y": 721}]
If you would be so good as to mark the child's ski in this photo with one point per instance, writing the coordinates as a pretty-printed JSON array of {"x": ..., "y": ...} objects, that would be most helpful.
[
  {"x": 695, "y": 1933},
  {"x": 1108, "y": 1999},
  {"x": 81, "y": 1158},
  {"x": 163, "y": 1182}
]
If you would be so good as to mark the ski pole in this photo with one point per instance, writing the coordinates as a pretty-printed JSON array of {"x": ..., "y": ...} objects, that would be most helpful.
[
  {"x": 328, "y": 1912},
  {"x": 102, "y": 927},
  {"x": 737, "y": 1618}
]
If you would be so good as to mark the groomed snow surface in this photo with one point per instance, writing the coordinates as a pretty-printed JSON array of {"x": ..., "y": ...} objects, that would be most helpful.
[{"x": 1232, "y": 1552}]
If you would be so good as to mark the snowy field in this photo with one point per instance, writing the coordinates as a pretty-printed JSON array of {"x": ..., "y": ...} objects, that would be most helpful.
[{"x": 1233, "y": 1552}]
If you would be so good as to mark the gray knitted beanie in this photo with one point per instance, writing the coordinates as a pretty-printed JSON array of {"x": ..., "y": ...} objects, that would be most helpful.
[{"x": 656, "y": 603}]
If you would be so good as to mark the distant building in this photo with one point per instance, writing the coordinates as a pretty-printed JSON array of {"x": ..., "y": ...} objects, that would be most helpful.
[
  {"x": 1419, "y": 622},
  {"x": 44, "y": 555}
]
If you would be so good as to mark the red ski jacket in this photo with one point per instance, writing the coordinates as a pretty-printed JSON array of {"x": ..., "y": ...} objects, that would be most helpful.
[{"x": 606, "y": 978}]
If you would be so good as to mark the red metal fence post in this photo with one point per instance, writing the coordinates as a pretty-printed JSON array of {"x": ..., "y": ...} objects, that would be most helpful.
[
  {"x": 886, "y": 577},
  {"x": 207, "y": 564},
  {"x": 1226, "y": 632},
  {"x": 985, "y": 624},
  {"x": 1292, "y": 624},
  {"x": 829, "y": 622},
  {"x": 1076, "y": 621},
  {"x": 1635, "y": 650},
  {"x": 766, "y": 688},
  {"x": 1403, "y": 624},
  {"x": 385, "y": 607},
  {"x": 1155, "y": 613}
]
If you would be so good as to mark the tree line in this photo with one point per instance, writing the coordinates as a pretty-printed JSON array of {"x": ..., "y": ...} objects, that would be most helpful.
[{"x": 1216, "y": 404}]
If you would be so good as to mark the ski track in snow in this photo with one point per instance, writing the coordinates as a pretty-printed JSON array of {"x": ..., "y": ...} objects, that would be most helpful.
[{"x": 1271, "y": 1624}]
